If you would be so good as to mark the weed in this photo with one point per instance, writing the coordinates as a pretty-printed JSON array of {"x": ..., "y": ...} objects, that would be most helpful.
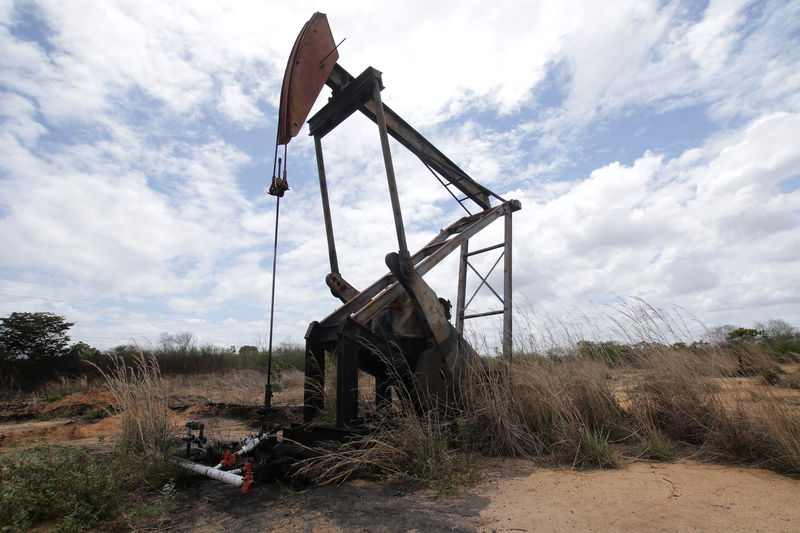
[
  {"x": 60, "y": 484},
  {"x": 595, "y": 451},
  {"x": 655, "y": 446},
  {"x": 150, "y": 509},
  {"x": 98, "y": 413},
  {"x": 48, "y": 415}
]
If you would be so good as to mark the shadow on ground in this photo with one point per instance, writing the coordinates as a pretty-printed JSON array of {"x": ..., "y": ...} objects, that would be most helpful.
[{"x": 354, "y": 506}]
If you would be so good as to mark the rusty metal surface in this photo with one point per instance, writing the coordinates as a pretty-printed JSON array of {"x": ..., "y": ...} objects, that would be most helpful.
[
  {"x": 340, "y": 288},
  {"x": 312, "y": 59}
]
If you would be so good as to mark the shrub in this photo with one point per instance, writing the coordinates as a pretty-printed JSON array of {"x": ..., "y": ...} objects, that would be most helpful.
[
  {"x": 97, "y": 413},
  {"x": 609, "y": 353},
  {"x": 59, "y": 484}
]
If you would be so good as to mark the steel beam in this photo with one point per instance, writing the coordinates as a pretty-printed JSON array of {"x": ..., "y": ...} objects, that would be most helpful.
[
  {"x": 461, "y": 293},
  {"x": 326, "y": 206},
  {"x": 398, "y": 128},
  {"x": 507, "y": 302},
  {"x": 387, "y": 161}
]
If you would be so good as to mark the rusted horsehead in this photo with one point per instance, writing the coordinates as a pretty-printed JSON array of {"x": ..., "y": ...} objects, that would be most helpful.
[{"x": 398, "y": 321}]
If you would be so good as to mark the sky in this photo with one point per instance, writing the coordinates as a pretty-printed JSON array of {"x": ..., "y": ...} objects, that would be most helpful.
[{"x": 655, "y": 147}]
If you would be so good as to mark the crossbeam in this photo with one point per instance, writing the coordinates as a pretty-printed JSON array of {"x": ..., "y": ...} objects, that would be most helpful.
[{"x": 400, "y": 130}]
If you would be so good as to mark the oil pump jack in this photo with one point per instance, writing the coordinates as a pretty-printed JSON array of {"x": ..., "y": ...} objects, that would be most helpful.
[{"x": 397, "y": 329}]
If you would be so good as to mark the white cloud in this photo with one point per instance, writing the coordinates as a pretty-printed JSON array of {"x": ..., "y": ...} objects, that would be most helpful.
[{"x": 674, "y": 232}]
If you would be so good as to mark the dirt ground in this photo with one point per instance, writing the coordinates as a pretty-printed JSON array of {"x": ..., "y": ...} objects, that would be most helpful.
[
  {"x": 513, "y": 495},
  {"x": 509, "y": 495}
]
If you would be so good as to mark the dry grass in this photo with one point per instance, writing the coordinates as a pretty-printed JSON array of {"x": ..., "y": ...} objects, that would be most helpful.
[
  {"x": 690, "y": 400},
  {"x": 142, "y": 400},
  {"x": 406, "y": 445},
  {"x": 673, "y": 398},
  {"x": 541, "y": 408},
  {"x": 244, "y": 387},
  {"x": 240, "y": 387}
]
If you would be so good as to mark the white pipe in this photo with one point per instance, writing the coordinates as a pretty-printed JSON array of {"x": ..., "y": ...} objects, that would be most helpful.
[
  {"x": 249, "y": 443},
  {"x": 213, "y": 473}
]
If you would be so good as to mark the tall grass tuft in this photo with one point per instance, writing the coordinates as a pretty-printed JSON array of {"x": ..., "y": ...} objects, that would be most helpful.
[
  {"x": 687, "y": 397},
  {"x": 541, "y": 407},
  {"x": 409, "y": 442},
  {"x": 142, "y": 400},
  {"x": 406, "y": 446}
]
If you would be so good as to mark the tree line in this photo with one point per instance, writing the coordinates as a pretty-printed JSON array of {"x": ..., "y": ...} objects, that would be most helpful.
[{"x": 35, "y": 348}]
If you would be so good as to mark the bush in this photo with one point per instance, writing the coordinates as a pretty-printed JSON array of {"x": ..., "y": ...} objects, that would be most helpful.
[
  {"x": 98, "y": 413},
  {"x": 59, "y": 484},
  {"x": 609, "y": 353}
]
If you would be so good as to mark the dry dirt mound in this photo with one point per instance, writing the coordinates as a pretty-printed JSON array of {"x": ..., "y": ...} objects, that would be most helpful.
[
  {"x": 18, "y": 409},
  {"x": 81, "y": 402},
  {"x": 58, "y": 431}
]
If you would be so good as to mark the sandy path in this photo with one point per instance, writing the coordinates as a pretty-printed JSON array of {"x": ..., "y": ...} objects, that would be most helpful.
[{"x": 685, "y": 496}]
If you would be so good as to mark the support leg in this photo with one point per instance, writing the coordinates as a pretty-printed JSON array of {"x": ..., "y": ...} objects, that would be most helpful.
[
  {"x": 346, "y": 382},
  {"x": 314, "y": 388}
]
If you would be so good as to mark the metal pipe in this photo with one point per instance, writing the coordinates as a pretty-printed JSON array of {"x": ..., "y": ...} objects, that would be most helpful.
[
  {"x": 326, "y": 206},
  {"x": 487, "y": 313},
  {"x": 507, "y": 307},
  {"x": 487, "y": 249},
  {"x": 208, "y": 471},
  {"x": 461, "y": 293},
  {"x": 387, "y": 160},
  {"x": 249, "y": 443}
]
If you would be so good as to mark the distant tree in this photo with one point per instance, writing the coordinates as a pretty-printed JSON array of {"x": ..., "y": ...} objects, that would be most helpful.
[
  {"x": 780, "y": 336},
  {"x": 33, "y": 347},
  {"x": 777, "y": 328},
  {"x": 740, "y": 335},
  {"x": 179, "y": 342},
  {"x": 719, "y": 334},
  {"x": 34, "y": 336},
  {"x": 608, "y": 352},
  {"x": 83, "y": 352},
  {"x": 248, "y": 351}
]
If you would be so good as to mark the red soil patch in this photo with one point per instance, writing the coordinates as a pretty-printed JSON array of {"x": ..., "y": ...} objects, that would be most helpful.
[
  {"x": 58, "y": 431},
  {"x": 81, "y": 402}
]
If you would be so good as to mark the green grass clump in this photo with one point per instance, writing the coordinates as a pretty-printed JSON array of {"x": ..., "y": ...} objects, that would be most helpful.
[
  {"x": 98, "y": 413},
  {"x": 58, "y": 484},
  {"x": 653, "y": 445},
  {"x": 595, "y": 451}
]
